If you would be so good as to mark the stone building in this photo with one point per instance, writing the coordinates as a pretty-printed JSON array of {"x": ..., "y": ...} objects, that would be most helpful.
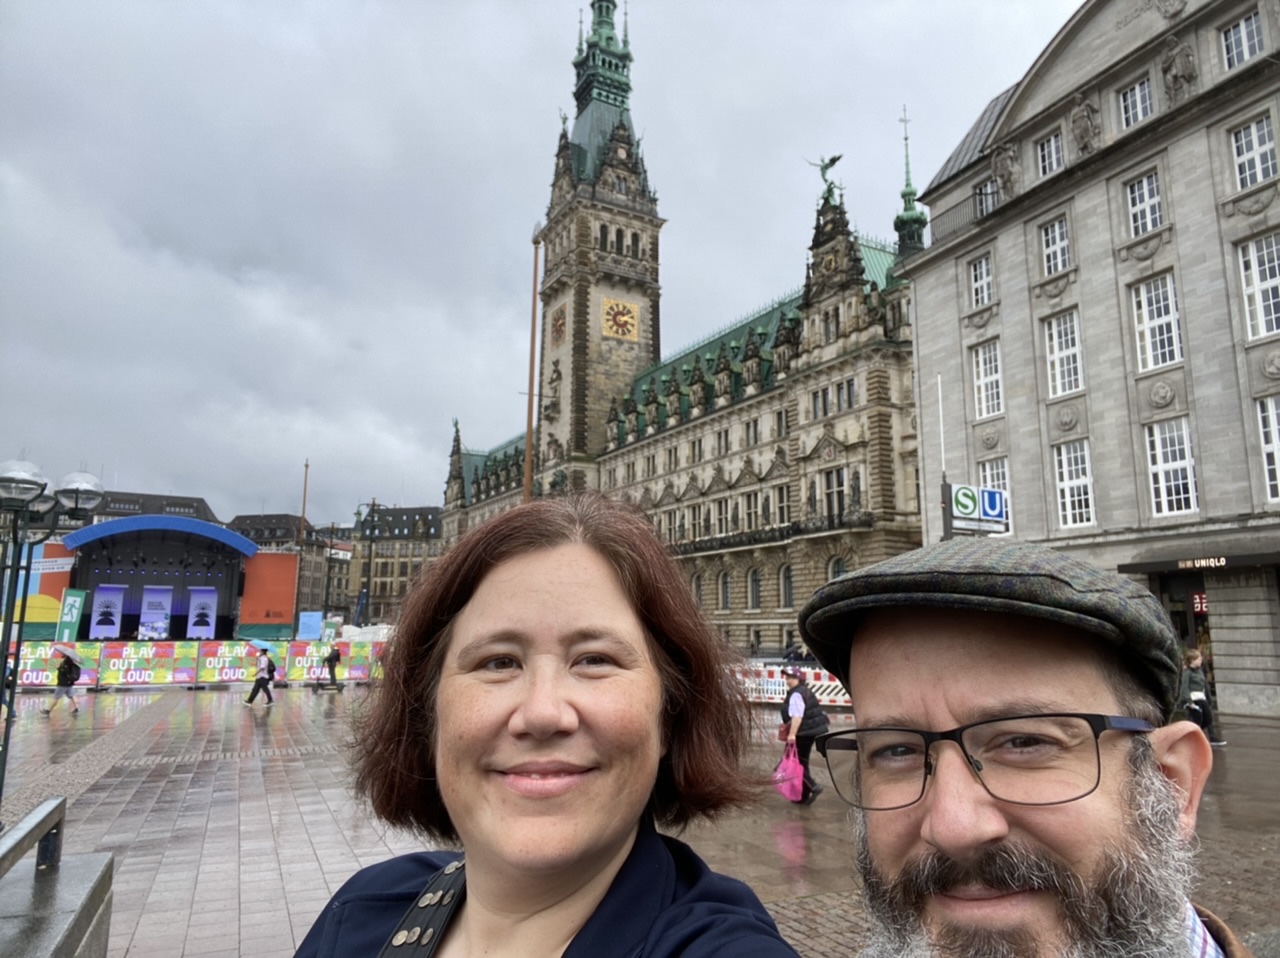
[
  {"x": 1099, "y": 310},
  {"x": 390, "y": 546},
  {"x": 772, "y": 455}
]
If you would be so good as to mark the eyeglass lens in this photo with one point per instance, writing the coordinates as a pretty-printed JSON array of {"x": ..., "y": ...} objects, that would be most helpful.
[{"x": 1041, "y": 760}]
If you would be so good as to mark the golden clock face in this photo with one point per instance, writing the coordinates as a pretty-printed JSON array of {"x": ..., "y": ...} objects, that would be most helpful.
[
  {"x": 558, "y": 322},
  {"x": 621, "y": 320}
]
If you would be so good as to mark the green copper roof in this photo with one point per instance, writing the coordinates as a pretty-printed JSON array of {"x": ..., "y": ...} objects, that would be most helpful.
[
  {"x": 603, "y": 86},
  {"x": 475, "y": 463}
]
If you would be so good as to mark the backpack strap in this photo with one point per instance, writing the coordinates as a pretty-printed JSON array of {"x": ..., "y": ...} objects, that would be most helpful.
[{"x": 424, "y": 924}]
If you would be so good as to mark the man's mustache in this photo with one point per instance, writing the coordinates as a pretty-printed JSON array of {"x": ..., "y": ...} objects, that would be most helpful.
[{"x": 1006, "y": 867}]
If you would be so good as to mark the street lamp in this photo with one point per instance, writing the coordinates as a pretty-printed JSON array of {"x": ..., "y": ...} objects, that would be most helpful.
[
  {"x": 29, "y": 515},
  {"x": 367, "y": 526}
]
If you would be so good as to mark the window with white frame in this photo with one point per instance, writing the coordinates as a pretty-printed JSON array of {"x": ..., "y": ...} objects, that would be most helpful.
[
  {"x": 980, "y": 286},
  {"x": 986, "y": 197},
  {"x": 1062, "y": 350},
  {"x": 1049, "y": 153},
  {"x": 722, "y": 517},
  {"x": 1145, "y": 212},
  {"x": 987, "y": 395},
  {"x": 751, "y": 510},
  {"x": 833, "y": 492},
  {"x": 1074, "y": 483},
  {"x": 1260, "y": 269},
  {"x": 1254, "y": 146},
  {"x": 1242, "y": 40},
  {"x": 1172, "y": 470},
  {"x": 1155, "y": 321},
  {"x": 1056, "y": 244},
  {"x": 1269, "y": 424},
  {"x": 1135, "y": 103},
  {"x": 671, "y": 519},
  {"x": 782, "y": 504},
  {"x": 695, "y": 521}
]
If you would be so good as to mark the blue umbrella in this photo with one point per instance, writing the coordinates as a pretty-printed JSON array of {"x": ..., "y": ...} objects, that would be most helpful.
[{"x": 260, "y": 644}]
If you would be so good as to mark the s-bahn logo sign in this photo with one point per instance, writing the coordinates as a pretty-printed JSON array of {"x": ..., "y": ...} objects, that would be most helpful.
[{"x": 976, "y": 508}]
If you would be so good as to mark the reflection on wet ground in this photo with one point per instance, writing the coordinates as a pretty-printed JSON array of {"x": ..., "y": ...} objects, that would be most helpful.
[{"x": 232, "y": 826}]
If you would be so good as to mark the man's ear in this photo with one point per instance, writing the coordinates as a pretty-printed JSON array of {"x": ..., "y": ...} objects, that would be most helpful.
[{"x": 1184, "y": 755}]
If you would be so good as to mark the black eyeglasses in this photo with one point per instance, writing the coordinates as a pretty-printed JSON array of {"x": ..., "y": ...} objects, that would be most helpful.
[{"x": 1046, "y": 759}]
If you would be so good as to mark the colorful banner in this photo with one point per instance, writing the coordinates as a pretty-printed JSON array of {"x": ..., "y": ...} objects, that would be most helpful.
[
  {"x": 310, "y": 626},
  {"x": 69, "y": 617},
  {"x": 51, "y": 566},
  {"x": 234, "y": 661},
  {"x": 136, "y": 663},
  {"x": 157, "y": 600},
  {"x": 107, "y": 611},
  {"x": 39, "y": 667},
  {"x": 202, "y": 613}
]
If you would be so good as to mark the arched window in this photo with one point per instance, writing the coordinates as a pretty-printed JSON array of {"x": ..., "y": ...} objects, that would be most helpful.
[
  {"x": 786, "y": 593},
  {"x": 604, "y": 237},
  {"x": 617, "y": 241},
  {"x": 835, "y": 568},
  {"x": 753, "y": 589},
  {"x": 635, "y": 245},
  {"x": 697, "y": 588},
  {"x": 724, "y": 590}
]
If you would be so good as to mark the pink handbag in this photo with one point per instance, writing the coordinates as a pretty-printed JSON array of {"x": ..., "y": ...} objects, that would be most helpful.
[{"x": 788, "y": 777}]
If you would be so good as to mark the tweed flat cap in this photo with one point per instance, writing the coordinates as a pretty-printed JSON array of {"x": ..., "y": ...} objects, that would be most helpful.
[{"x": 1000, "y": 575}]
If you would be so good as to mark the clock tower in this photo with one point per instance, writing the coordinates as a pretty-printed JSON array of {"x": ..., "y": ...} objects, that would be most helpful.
[{"x": 599, "y": 287}]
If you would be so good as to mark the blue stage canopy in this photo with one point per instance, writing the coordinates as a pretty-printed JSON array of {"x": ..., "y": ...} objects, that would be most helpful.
[{"x": 130, "y": 524}]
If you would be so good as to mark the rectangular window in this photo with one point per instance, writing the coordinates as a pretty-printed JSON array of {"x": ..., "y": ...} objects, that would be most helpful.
[
  {"x": 1155, "y": 319},
  {"x": 1254, "y": 146},
  {"x": 1074, "y": 482},
  {"x": 1062, "y": 348},
  {"x": 722, "y": 517},
  {"x": 695, "y": 450},
  {"x": 994, "y": 474},
  {"x": 673, "y": 459},
  {"x": 1145, "y": 213},
  {"x": 1269, "y": 424},
  {"x": 1260, "y": 267},
  {"x": 1172, "y": 470},
  {"x": 986, "y": 197},
  {"x": 833, "y": 492},
  {"x": 779, "y": 423},
  {"x": 696, "y": 529},
  {"x": 650, "y": 465},
  {"x": 611, "y": 477},
  {"x": 751, "y": 433},
  {"x": 1135, "y": 103},
  {"x": 980, "y": 290},
  {"x": 671, "y": 518},
  {"x": 986, "y": 379},
  {"x": 1242, "y": 40},
  {"x": 751, "y": 510},
  {"x": 846, "y": 394},
  {"x": 782, "y": 504},
  {"x": 1056, "y": 245},
  {"x": 629, "y": 472},
  {"x": 1049, "y": 153},
  {"x": 820, "y": 402},
  {"x": 722, "y": 442}
]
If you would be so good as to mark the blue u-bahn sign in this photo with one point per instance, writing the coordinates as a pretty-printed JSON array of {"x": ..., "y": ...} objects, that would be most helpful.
[{"x": 973, "y": 509}]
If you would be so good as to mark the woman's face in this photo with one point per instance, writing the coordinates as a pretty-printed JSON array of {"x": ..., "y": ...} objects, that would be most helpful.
[{"x": 549, "y": 728}]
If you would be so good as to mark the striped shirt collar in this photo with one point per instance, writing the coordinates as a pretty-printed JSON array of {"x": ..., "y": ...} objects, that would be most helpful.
[{"x": 1200, "y": 943}]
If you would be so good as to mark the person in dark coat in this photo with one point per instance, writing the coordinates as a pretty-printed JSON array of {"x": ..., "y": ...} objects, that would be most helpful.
[
  {"x": 551, "y": 695},
  {"x": 66, "y": 677},
  {"x": 806, "y": 720},
  {"x": 1019, "y": 782},
  {"x": 1194, "y": 696}
]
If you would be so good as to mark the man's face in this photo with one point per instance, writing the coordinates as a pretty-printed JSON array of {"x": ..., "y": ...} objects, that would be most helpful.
[{"x": 961, "y": 873}]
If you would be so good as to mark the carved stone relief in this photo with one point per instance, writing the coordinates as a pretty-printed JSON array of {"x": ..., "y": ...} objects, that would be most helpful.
[
  {"x": 1068, "y": 417},
  {"x": 1271, "y": 364},
  {"x": 1161, "y": 394}
]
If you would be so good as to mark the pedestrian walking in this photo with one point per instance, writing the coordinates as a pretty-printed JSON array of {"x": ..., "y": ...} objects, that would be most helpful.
[
  {"x": 262, "y": 678},
  {"x": 67, "y": 676},
  {"x": 331, "y": 662},
  {"x": 807, "y": 721},
  {"x": 1194, "y": 696}
]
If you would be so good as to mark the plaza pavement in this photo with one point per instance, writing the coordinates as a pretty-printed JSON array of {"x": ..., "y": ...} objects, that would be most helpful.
[{"x": 232, "y": 826}]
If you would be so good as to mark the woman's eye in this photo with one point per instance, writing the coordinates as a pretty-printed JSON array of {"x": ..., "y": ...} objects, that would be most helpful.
[
  {"x": 595, "y": 660},
  {"x": 499, "y": 663}
]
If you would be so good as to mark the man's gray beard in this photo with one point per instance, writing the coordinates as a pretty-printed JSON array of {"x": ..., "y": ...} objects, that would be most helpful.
[{"x": 1134, "y": 906}]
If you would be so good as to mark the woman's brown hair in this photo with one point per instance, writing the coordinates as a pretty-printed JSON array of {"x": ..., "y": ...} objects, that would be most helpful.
[{"x": 706, "y": 724}]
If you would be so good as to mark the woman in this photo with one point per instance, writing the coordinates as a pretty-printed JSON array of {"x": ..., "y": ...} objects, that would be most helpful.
[
  {"x": 804, "y": 720},
  {"x": 1194, "y": 696},
  {"x": 551, "y": 692}
]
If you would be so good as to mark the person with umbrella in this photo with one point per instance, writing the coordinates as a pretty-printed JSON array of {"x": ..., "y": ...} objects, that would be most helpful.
[
  {"x": 262, "y": 678},
  {"x": 68, "y": 676}
]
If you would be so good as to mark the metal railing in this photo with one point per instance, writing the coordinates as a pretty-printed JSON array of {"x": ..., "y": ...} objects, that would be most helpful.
[
  {"x": 41, "y": 829},
  {"x": 963, "y": 215}
]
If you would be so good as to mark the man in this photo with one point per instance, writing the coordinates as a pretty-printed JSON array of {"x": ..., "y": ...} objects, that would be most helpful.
[
  {"x": 67, "y": 675},
  {"x": 1021, "y": 791},
  {"x": 805, "y": 721},
  {"x": 262, "y": 678}
]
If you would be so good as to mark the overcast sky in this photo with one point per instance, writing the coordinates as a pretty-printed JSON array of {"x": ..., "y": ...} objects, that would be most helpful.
[{"x": 236, "y": 235}]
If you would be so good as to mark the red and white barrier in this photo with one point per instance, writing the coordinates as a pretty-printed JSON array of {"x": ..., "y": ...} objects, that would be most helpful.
[{"x": 765, "y": 685}]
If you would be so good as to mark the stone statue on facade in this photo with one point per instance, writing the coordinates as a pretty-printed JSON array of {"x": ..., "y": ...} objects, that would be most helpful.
[
  {"x": 1005, "y": 169},
  {"x": 1085, "y": 125},
  {"x": 1178, "y": 66}
]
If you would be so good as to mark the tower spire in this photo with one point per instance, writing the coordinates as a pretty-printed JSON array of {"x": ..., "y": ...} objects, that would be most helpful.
[
  {"x": 579, "y": 31},
  {"x": 910, "y": 223},
  {"x": 626, "y": 27}
]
